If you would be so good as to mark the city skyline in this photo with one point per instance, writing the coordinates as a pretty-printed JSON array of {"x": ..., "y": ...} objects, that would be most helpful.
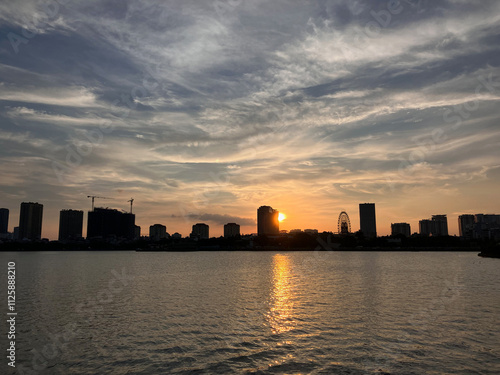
[
  {"x": 203, "y": 111},
  {"x": 438, "y": 225}
]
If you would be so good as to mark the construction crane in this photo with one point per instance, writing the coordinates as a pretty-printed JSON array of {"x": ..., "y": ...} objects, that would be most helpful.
[
  {"x": 131, "y": 203},
  {"x": 93, "y": 197}
]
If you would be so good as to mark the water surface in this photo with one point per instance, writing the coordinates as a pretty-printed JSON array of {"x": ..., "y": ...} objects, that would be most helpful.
[{"x": 257, "y": 313}]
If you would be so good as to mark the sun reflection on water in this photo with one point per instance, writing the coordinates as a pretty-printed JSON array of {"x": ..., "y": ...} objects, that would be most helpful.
[{"x": 280, "y": 316}]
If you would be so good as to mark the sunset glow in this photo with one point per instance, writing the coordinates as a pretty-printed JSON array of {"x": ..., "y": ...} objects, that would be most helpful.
[
  {"x": 150, "y": 149},
  {"x": 199, "y": 118}
]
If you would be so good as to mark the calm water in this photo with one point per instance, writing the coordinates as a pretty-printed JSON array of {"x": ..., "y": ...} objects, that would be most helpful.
[{"x": 256, "y": 313}]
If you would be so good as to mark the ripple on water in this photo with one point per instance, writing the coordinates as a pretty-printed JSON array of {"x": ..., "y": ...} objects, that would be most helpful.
[{"x": 260, "y": 313}]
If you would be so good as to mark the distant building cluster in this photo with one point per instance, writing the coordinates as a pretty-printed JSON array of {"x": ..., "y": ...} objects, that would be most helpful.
[
  {"x": 479, "y": 226},
  {"x": 111, "y": 224},
  {"x": 436, "y": 226},
  {"x": 102, "y": 223}
]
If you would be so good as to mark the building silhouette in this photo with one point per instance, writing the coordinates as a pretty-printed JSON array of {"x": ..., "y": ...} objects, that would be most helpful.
[
  {"x": 441, "y": 225},
  {"x": 4, "y": 220},
  {"x": 231, "y": 230},
  {"x": 425, "y": 227},
  {"x": 200, "y": 231},
  {"x": 267, "y": 221},
  {"x": 311, "y": 232},
  {"x": 157, "y": 232},
  {"x": 466, "y": 226},
  {"x": 367, "y": 219},
  {"x": 70, "y": 225},
  {"x": 30, "y": 221},
  {"x": 108, "y": 223},
  {"x": 401, "y": 229},
  {"x": 437, "y": 226},
  {"x": 486, "y": 227}
]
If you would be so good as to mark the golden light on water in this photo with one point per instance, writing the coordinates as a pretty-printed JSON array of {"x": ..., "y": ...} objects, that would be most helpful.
[
  {"x": 280, "y": 315},
  {"x": 281, "y": 216}
]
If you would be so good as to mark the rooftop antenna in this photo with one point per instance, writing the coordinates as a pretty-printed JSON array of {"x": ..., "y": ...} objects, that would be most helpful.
[{"x": 131, "y": 203}]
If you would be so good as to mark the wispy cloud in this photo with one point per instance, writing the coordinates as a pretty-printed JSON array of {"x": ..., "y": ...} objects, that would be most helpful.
[
  {"x": 210, "y": 112},
  {"x": 67, "y": 97}
]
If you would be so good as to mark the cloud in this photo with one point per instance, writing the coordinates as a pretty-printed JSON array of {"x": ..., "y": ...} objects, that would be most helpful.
[
  {"x": 218, "y": 219},
  {"x": 216, "y": 110},
  {"x": 67, "y": 97}
]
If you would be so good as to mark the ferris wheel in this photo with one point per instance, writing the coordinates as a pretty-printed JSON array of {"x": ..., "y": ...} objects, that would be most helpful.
[{"x": 344, "y": 224}]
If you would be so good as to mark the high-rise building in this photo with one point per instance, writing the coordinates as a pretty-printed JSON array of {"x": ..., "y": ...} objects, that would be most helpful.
[
  {"x": 4, "y": 220},
  {"x": 466, "y": 226},
  {"x": 440, "y": 225},
  {"x": 425, "y": 227},
  {"x": 108, "y": 223},
  {"x": 200, "y": 231},
  {"x": 401, "y": 229},
  {"x": 487, "y": 226},
  {"x": 30, "y": 221},
  {"x": 267, "y": 221},
  {"x": 231, "y": 230},
  {"x": 70, "y": 225},
  {"x": 157, "y": 232},
  {"x": 367, "y": 219},
  {"x": 437, "y": 226}
]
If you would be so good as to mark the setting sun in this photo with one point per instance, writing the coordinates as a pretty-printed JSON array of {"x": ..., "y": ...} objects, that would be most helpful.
[{"x": 281, "y": 217}]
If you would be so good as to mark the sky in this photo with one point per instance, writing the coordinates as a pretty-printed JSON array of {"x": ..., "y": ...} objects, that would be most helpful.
[{"x": 204, "y": 111}]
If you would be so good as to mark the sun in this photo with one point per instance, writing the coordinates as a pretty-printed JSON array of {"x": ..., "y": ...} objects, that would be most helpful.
[{"x": 281, "y": 217}]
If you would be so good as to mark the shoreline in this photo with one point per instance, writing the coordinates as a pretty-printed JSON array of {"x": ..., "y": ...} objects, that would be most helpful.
[{"x": 203, "y": 249}]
